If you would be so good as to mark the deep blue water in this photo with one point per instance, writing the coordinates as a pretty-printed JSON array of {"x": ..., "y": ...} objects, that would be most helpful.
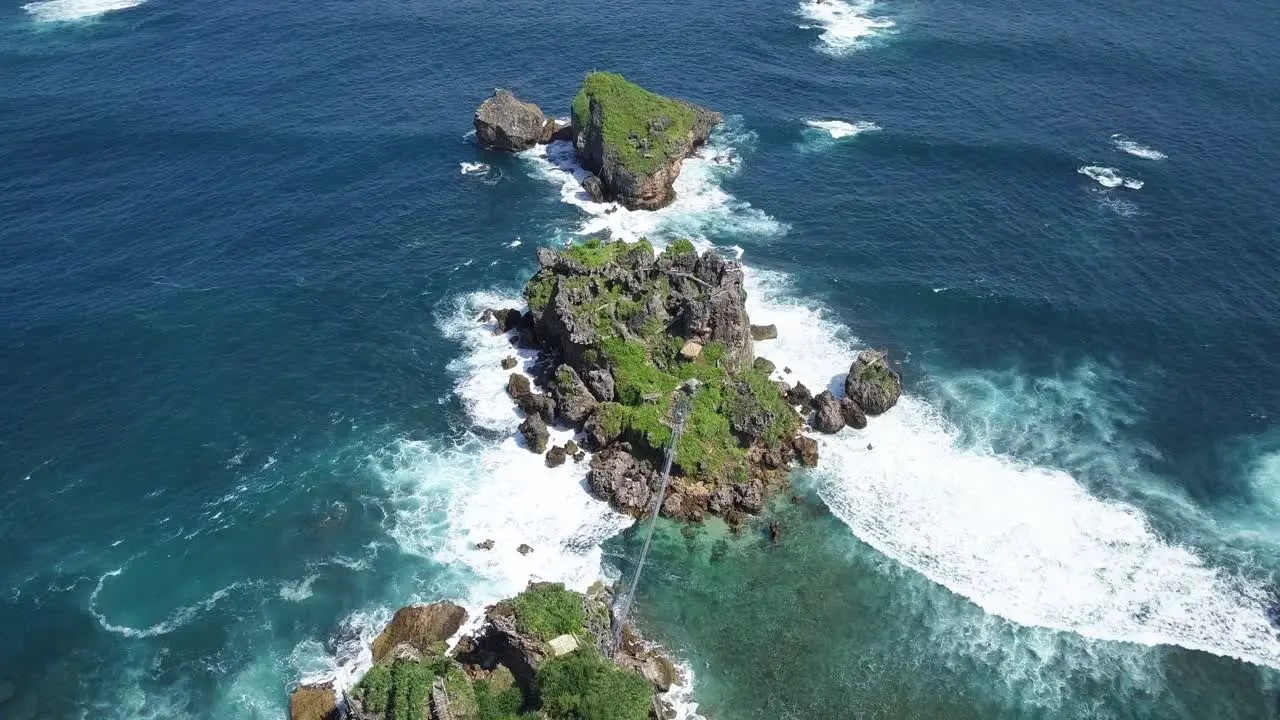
[{"x": 240, "y": 260}]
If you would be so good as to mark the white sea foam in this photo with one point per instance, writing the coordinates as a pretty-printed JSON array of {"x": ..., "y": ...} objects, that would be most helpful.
[
  {"x": 513, "y": 244},
  {"x": 1109, "y": 177},
  {"x": 1136, "y": 149},
  {"x": 1027, "y": 543},
  {"x": 701, "y": 208},
  {"x": 838, "y": 129},
  {"x": 177, "y": 618},
  {"x": 470, "y": 168},
  {"x": 299, "y": 591},
  {"x": 846, "y": 26},
  {"x": 75, "y": 10}
]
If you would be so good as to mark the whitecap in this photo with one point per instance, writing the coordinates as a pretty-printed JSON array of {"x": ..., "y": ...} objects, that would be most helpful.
[
  {"x": 1109, "y": 177},
  {"x": 838, "y": 129},
  {"x": 846, "y": 26},
  {"x": 75, "y": 10},
  {"x": 1023, "y": 542},
  {"x": 513, "y": 244},
  {"x": 1136, "y": 149},
  {"x": 476, "y": 168},
  {"x": 299, "y": 591}
]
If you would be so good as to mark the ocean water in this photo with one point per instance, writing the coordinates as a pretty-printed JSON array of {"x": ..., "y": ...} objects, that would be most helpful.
[{"x": 248, "y": 411}]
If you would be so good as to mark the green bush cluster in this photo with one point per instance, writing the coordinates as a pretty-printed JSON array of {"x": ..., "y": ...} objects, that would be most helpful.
[
  {"x": 548, "y": 611},
  {"x": 499, "y": 705},
  {"x": 879, "y": 374},
  {"x": 644, "y": 130},
  {"x": 585, "y": 686},
  {"x": 681, "y": 247},
  {"x": 401, "y": 691}
]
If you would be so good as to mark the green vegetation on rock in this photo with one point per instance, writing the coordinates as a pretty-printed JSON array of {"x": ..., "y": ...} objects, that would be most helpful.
[
  {"x": 681, "y": 247},
  {"x": 585, "y": 686},
  {"x": 645, "y": 131},
  {"x": 495, "y": 704},
  {"x": 549, "y": 610},
  {"x": 401, "y": 691}
]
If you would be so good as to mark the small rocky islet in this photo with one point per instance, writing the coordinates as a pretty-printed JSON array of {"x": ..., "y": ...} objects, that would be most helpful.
[
  {"x": 623, "y": 335},
  {"x": 548, "y": 652}
]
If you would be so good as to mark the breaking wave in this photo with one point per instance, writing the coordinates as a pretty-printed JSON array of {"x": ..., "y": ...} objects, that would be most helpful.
[
  {"x": 846, "y": 26},
  {"x": 1136, "y": 149},
  {"x": 1109, "y": 177},
  {"x": 75, "y": 10}
]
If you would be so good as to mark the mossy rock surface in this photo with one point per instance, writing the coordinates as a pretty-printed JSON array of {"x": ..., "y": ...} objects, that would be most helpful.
[{"x": 646, "y": 131}]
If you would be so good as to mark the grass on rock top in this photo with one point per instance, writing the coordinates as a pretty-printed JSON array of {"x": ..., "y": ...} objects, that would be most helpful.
[
  {"x": 645, "y": 130},
  {"x": 549, "y": 611}
]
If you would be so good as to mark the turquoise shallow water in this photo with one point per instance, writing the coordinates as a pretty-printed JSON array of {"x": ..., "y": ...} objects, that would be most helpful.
[{"x": 247, "y": 412}]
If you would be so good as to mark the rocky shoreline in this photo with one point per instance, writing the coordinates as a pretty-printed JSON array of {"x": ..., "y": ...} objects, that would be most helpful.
[
  {"x": 621, "y": 333},
  {"x": 549, "y": 652}
]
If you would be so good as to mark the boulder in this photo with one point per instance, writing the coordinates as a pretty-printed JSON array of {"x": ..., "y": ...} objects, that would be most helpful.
[
  {"x": 535, "y": 434},
  {"x": 764, "y": 365},
  {"x": 806, "y": 449},
  {"x": 485, "y": 545},
  {"x": 872, "y": 384},
  {"x": 617, "y": 477},
  {"x": 505, "y": 123},
  {"x": 827, "y": 415},
  {"x": 574, "y": 402},
  {"x": 594, "y": 189},
  {"x": 509, "y": 362},
  {"x": 597, "y": 436},
  {"x": 518, "y": 385},
  {"x": 563, "y": 133},
  {"x": 571, "y": 448},
  {"x": 524, "y": 549},
  {"x": 600, "y": 383},
  {"x": 636, "y": 155},
  {"x": 314, "y": 702},
  {"x": 764, "y": 332},
  {"x": 548, "y": 131},
  {"x": 690, "y": 351},
  {"x": 422, "y": 626},
  {"x": 853, "y": 415},
  {"x": 799, "y": 395},
  {"x": 749, "y": 496},
  {"x": 538, "y": 405},
  {"x": 556, "y": 456}
]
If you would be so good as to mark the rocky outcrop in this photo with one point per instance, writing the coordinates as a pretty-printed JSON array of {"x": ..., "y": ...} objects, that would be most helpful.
[
  {"x": 634, "y": 140},
  {"x": 556, "y": 456},
  {"x": 806, "y": 449},
  {"x": 764, "y": 332},
  {"x": 799, "y": 396},
  {"x": 535, "y": 434},
  {"x": 314, "y": 702},
  {"x": 853, "y": 415},
  {"x": 827, "y": 414},
  {"x": 574, "y": 402},
  {"x": 422, "y": 626},
  {"x": 505, "y": 123},
  {"x": 627, "y": 483},
  {"x": 872, "y": 384}
]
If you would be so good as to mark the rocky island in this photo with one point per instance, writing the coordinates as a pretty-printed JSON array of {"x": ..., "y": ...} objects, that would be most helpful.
[
  {"x": 549, "y": 652},
  {"x": 625, "y": 335},
  {"x": 632, "y": 140}
]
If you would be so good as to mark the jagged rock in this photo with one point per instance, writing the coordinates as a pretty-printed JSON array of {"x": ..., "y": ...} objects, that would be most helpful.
[
  {"x": 571, "y": 448},
  {"x": 504, "y": 123},
  {"x": 720, "y": 501},
  {"x": 853, "y": 415},
  {"x": 404, "y": 651},
  {"x": 537, "y": 405},
  {"x": 563, "y": 133},
  {"x": 649, "y": 662},
  {"x": 872, "y": 384},
  {"x": 508, "y": 362},
  {"x": 422, "y": 626},
  {"x": 579, "y": 456},
  {"x": 535, "y": 434},
  {"x": 806, "y": 449},
  {"x": 548, "y": 131},
  {"x": 800, "y": 395},
  {"x": 524, "y": 549},
  {"x": 311, "y": 702},
  {"x": 485, "y": 545},
  {"x": 637, "y": 162},
  {"x": 827, "y": 415},
  {"x": 518, "y": 385},
  {"x": 597, "y": 436},
  {"x": 574, "y": 402},
  {"x": 764, "y": 365},
  {"x": 749, "y": 496},
  {"x": 505, "y": 320},
  {"x": 749, "y": 417},
  {"x": 600, "y": 383},
  {"x": 622, "y": 480},
  {"x": 688, "y": 507},
  {"x": 594, "y": 188},
  {"x": 764, "y": 332},
  {"x": 786, "y": 370},
  {"x": 556, "y": 456}
]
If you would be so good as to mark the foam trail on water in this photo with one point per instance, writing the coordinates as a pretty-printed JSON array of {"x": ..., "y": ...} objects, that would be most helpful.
[
  {"x": 1136, "y": 149},
  {"x": 75, "y": 10},
  {"x": 840, "y": 129},
  {"x": 1109, "y": 177},
  {"x": 180, "y": 617},
  {"x": 846, "y": 26},
  {"x": 1027, "y": 543}
]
